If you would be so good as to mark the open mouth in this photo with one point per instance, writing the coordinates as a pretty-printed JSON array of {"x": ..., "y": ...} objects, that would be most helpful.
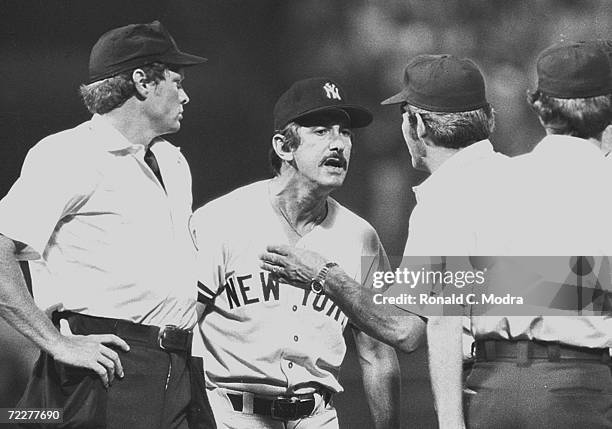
[{"x": 335, "y": 161}]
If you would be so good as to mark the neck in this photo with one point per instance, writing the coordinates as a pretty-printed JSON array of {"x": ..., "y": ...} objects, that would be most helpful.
[
  {"x": 436, "y": 156},
  {"x": 303, "y": 205},
  {"x": 597, "y": 140},
  {"x": 129, "y": 121}
]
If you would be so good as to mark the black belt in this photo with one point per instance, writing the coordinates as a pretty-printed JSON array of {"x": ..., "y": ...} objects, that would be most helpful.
[
  {"x": 169, "y": 337},
  {"x": 524, "y": 350},
  {"x": 282, "y": 407}
]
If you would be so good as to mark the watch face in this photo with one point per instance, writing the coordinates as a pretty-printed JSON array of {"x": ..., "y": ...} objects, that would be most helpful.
[{"x": 316, "y": 287}]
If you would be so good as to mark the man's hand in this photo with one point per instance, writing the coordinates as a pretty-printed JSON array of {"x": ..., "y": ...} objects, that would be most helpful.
[
  {"x": 18, "y": 308},
  {"x": 92, "y": 352},
  {"x": 292, "y": 265}
]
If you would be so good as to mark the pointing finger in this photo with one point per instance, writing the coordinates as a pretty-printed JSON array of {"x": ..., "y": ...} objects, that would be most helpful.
[
  {"x": 273, "y": 259},
  {"x": 280, "y": 249},
  {"x": 110, "y": 339},
  {"x": 269, "y": 267}
]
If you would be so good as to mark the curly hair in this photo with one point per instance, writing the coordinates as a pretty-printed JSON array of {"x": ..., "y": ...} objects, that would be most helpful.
[
  {"x": 108, "y": 94},
  {"x": 578, "y": 117}
]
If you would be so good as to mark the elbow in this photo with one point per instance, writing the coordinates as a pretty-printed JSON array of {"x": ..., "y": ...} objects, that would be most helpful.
[
  {"x": 411, "y": 337},
  {"x": 409, "y": 344}
]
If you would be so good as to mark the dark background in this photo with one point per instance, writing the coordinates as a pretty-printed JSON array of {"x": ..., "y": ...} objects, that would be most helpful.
[{"x": 256, "y": 49}]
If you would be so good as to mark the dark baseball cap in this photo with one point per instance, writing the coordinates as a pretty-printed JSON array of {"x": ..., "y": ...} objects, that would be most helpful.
[
  {"x": 574, "y": 70},
  {"x": 135, "y": 45},
  {"x": 315, "y": 95},
  {"x": 442, "y": 83}
]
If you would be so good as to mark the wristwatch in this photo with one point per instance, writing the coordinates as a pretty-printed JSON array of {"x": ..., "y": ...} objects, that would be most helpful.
[{"x": 317, "y": 284}]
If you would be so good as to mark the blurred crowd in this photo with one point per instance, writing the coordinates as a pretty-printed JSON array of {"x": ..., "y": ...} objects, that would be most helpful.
[{"x": 373, "y": 40}]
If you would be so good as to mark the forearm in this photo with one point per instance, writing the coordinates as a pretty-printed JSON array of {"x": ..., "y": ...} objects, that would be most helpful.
[
  {"x": 387, "y": 323},
  {"x": 17, "y": 306},
  {"x": 444, "y": 343},
  {"x": 381, "y": 382},
  {"x": 94, "y": 352}
]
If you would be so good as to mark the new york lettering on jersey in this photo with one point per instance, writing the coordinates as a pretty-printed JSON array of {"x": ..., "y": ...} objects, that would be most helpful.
[{"x": 262, "y": 287}]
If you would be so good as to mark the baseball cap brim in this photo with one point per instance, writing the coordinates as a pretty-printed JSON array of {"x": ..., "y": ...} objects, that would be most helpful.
[
  {"x": 358, "y": 116},
  {"x": 395, "y": 99},
  {"x": 181, "y": 58}
]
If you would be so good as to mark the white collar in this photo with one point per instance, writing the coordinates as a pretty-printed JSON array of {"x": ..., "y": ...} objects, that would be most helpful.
[{"x": 454, "y": 167}]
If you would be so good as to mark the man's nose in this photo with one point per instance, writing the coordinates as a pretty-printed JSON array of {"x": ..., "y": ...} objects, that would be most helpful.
[
  {"x": 184, "y": 97},
  {"x": 337, "y": 141}
]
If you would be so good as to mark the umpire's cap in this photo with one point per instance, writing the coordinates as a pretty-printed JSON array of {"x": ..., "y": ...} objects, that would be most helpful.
[
  {"x": 135, "y": 45},
  {"x": 442, "y": 83},
  {"x": 574, "y": 70},
  {"x": 316, "y": 95}
]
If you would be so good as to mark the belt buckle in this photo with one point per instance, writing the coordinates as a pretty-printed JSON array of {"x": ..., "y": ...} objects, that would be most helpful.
[
  {"x": 172, "y": 338},
  {"x": 287, "y": 408}
]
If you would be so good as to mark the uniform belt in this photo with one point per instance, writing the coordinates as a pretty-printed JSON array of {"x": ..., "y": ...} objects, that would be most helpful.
[
  {"x": 523, "y": 351},
  {"x": 169, "y": 337},
  {"x": 292, "y": 407}
]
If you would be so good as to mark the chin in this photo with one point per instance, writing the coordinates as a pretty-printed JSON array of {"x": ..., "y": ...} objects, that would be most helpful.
[
  {"x": 333, "y": 183},
  {"x": 173, "y": 129}
]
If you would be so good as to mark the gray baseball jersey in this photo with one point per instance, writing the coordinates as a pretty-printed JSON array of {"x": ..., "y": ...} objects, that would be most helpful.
[{"x": 260, "y": 336}]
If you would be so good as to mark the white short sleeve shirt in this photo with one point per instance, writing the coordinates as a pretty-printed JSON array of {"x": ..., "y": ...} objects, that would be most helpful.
[{"x": 104, "y": 237}]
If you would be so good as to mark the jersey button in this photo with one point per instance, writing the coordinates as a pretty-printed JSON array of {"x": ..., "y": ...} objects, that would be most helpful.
[
  {"x": 295, "y": 338},
  {"x": 294, "y": 308},
  {"x": 290, "y": 365}
]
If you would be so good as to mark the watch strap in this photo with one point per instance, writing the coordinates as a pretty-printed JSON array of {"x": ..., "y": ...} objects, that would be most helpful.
[{"x": 317, "y": 285}]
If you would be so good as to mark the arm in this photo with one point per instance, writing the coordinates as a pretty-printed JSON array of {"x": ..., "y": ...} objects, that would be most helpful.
[
  {"x": 387, "y": 323},
  {"x": 18, "y": 308},
  {"x": 444, "y": 342},
  {"x": 381, "y": 380}
]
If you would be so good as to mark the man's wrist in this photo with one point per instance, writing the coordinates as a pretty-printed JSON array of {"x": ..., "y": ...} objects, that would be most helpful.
[
  {"x": 331, "y": 282},
  {"x": 317, "y": 284}
]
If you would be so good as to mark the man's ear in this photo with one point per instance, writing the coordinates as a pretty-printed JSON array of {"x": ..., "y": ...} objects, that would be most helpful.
[
  {"x": 421, "y": 131},
  {"x": 281, "y": 147},
  {"x": 606, "y": 141},
  {"x": 420, "y": 126},
  {"x": 143, "y": 87}
]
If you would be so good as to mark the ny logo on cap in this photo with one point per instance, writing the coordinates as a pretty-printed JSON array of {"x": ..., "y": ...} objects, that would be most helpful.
[{"x": 331, "y": 91}]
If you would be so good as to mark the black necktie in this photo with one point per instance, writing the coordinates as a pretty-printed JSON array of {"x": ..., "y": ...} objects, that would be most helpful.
[{"x": 153, "y": 165}]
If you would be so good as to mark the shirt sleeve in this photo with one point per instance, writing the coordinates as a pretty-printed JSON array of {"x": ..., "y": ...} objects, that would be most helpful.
[
  {"x": 210, "y": 256},
  {"x": 50, "y": 187},
  {"x": 437, "y": 247},
  {"x": 374, "y": 259}
]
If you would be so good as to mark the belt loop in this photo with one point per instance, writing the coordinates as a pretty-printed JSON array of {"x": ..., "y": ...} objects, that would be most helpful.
[
  {"x": 605, "y": 356},
  {"x": 522, "y": 353},
  {"x": 554, "y": 352},
  {"x": 247, "y": 402},
  {"x": 489, "y": 349}
]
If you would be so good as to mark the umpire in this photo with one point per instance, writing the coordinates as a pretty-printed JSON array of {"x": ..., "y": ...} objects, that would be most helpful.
[
  {"x": 543, "y": 370},
  {"x": 101, "y": 211}
]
